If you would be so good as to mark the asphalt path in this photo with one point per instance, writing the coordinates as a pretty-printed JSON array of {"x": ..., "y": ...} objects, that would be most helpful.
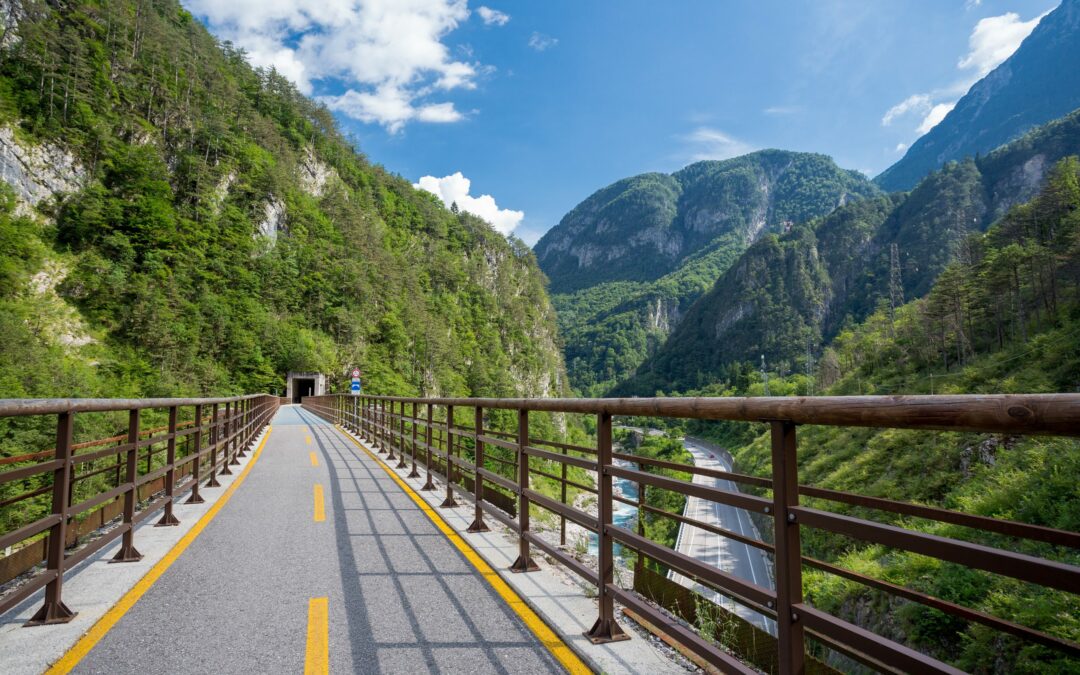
[
  {"x": 736, "y": 558},
  {"x": 400, "y": 598}
]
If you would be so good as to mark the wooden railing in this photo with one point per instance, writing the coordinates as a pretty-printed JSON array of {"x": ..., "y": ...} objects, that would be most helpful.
[
  {"x": 108, "y": 477},
  {"x": 429, "y": 432}
]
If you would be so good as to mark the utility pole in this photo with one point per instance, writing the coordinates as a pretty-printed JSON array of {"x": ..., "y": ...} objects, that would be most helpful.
[{"x": 764, "y": 375}]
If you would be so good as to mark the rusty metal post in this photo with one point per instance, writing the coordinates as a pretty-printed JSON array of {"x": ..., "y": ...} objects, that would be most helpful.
[
  {"x": 428, "y": 485},
  {"x": 389, "y": 424},
  {"x": 245, "y": 427},
  {"x": 127, "y": 552},
  {"x": 233, "y": 434},
  {"x": 213, "y": 482},
  {"x": 54, "y": 610},
  {"x": 414, "y": 473},
  {"x": 402, "y": 463},
  {"x": 639, "y": 559},
  {"x": 478, "y": 524},
  {"x": 606, "y": 629},
  {"x": 792, "y": 651},
  {"x": 449, "y": 502},
  {"x": 226, "y": 460},
  {"x": 562, "y": 493},
  {"x": 170, "y": 476},
  {"x": 524, "y": 562},
  {"x": 380, "y": 428},
  {"x": 195, "y": 498}
]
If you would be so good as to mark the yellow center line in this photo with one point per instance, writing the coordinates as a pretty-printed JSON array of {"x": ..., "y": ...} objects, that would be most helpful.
[
  {"x": 81, "y": 648},
  {"x": 317, "y": 657},
  {"x": 307, "y": 439},
  {"x": 314, "y": 459},
  {"x": 320, "y": 509},
  {"x": 539, "y": 628}
]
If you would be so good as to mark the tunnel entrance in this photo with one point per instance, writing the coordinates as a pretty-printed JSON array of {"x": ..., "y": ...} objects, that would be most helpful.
[
  {"x": 302, "y": 387},
  {"x": 299, "y": 385}
]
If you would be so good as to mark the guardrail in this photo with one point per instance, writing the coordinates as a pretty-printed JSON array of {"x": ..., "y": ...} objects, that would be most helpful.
[
  {"x": 427, "y": 432},
  {"x": 108, "y": 477}
]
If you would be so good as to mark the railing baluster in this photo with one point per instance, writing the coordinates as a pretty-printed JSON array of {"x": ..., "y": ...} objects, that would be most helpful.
[
  {"x": 524, "y": 562},
  {"x": 788, "y": 548},
  {"x": 214, "y": 436},
  {"x": 606, "y": 629},
  {"x": 428, "y": 485},
  {"x": 170, "y": 476},
  {"x": 478, "y": 524},
  {"x": 413, "y": 473},
  {"x": 449, "y": 502},
  {"x": 54, "y": 610},
  {"x": 128, "y": 552},
  {"x": 195, "y": 497},
  {"x": 402, "y": 463}
]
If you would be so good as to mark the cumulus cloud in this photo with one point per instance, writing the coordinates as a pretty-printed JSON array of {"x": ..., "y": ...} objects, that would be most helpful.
[
  {"x": 492, "y": 17},
  {"x": 541, "y": 42},
  {"x": 993, "y": 40},
  {"x": 387, "y": 58},
  {"x": 455, "y": 189},
  {"x": 710, "y": 143}
]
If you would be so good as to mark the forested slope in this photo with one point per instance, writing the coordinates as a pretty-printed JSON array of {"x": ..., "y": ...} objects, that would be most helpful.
[{"x": 177, "y": 222}]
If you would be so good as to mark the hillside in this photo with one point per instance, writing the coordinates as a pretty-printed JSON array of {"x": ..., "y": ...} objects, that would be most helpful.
[
  {"x": 176, "y": 222},
  {"x": 628, "y": 262},
  {"x": 1032, "y": 87},
  {"x": 1005, "y": 320},
  {"x": 794, "y": 292}
]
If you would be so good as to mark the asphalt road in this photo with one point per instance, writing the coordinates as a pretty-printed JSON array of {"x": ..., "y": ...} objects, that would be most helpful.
[
  {"x": 741, "y": 560},
  {"x": 400, "y": 598}
]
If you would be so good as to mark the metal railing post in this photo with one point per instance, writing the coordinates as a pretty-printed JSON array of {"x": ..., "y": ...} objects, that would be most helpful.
[
  {"x": 380, "y": 426},
  {"x": 524, "y": 562},
  {"x": 478, "y": 524},
  {"x": 170, "y": 476},
  {"x": 428, "y": 485},
  {"x": 413, "y": 473},
  {"x": 389, "y": 424},
  {"x": 562, "y": 498},
  {"x": 232, "y": 433},
  {"x": 245, "y": 427},
  {"x": 213, "y": 482},
  {"x": 606, "y": 629},
  {"x": 54, "y": 610},
  {"x": 449, "y": 502},
  {"x": 792, "y": 651},
  {"x": 195, "y": 498},
  {"x": 127, "y": 552},
  {"x": 402, "y": 463},
  {"x": 227, "y": 440}
]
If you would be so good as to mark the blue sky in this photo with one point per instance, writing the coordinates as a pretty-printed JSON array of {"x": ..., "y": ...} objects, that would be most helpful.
[{"x": 535, "y": 105}]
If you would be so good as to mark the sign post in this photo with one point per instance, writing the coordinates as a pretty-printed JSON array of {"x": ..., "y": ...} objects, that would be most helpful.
[{"x": 355, "y": 389}]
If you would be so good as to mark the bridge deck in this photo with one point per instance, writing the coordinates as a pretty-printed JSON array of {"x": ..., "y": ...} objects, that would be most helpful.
[{"x": 400, "y": 597}]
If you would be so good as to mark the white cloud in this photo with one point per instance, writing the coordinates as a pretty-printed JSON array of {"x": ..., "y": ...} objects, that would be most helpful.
[
  {"x": 781, "y": 110},
  {"x": 994, "y": 39},
  {"x": 934, "y": 116},
  {"x": 900, "y": 147},
  {"x": 541, "y": 42},
  {"x": 386, "y": 56},
  {"x": 709, "y": 143},
  {"x": 972, "y": 4},
  {"x": 455, "y": 188},
  {"x": 492, "y": 17}
]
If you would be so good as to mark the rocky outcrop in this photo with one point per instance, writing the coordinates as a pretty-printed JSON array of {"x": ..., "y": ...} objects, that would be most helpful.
[
  {"x": 273, "y": 218},
  {"x": 315, "y": 175},
  {"x": 37, "y": 172}
]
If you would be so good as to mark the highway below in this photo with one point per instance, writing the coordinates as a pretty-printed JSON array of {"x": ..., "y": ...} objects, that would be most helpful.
[{"x": 736, "y": 558}]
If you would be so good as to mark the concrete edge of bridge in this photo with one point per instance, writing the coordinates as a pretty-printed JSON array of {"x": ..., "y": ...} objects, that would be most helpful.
[
  {"x": 558, "y": 600},
  {"x": 95, "y": 588}
]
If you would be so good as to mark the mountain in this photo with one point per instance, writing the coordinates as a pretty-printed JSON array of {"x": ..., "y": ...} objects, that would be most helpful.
[
  {"x": 795, "y": 291},
  {"x": 173, "y": 221},
  {"x": 641, "y": 228},
  {"x": 1038, "y": 83},
  {"x": 628, "y": 262}
]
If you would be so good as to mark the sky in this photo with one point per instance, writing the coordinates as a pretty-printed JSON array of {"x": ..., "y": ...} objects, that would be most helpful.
[{"x": 518, "y": 110}]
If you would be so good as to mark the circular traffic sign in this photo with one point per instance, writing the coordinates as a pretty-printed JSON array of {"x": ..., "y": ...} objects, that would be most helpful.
[{"x": 356, "y": 372}]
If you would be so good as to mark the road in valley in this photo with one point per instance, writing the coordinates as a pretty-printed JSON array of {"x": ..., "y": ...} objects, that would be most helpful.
[{"x": 736, "y": 558}]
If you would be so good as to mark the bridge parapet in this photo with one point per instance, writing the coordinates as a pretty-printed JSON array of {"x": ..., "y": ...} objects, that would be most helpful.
[
  {"x": 80, "y": 486},
  {"x": 459, "y": 447}
]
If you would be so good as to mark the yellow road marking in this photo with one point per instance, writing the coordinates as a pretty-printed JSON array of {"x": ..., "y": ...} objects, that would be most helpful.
[
  {"x": 307, "y": 439},
  {"x": 314, "y": 459},
  {"x": 317, "y": 657},
  {"x": 541, "y": 630},
  {"x": 81, "y": 648},
  {"x": 320, "y": 510}
]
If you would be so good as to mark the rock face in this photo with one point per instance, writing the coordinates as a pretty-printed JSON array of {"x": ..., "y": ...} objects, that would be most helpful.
[
  {"x": 644, "y": 227},
  {"x": 314, "y": 173},
  {"x": 273, "y": 218},
  {"x": 1038, "y": 83},
  {"x": 37, "y": 173}
]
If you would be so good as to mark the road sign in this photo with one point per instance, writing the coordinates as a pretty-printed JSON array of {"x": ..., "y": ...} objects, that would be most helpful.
[
  {"x": 355, "y": 389},
  {"x": 356, "y": 373}
]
